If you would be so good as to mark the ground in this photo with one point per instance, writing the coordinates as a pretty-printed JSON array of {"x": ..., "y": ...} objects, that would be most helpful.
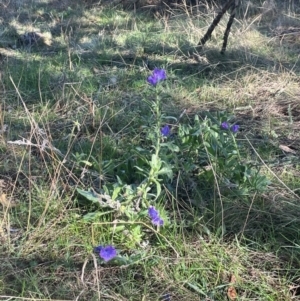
[{"x": 77, "y": 116}]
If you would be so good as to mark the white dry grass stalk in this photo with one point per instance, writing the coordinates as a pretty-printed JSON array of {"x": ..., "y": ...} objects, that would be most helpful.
[{"x": 42, "y": 147}]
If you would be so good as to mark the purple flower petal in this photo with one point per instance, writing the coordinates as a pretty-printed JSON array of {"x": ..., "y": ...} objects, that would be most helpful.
[
  {"x": 224, "y": 125},
  {"x": 98, "y": 249},
  {"x": 157, "y": 221},
  {"x": 160, "y": 74},
  {"x": 165, "y": 131},
  {"x": 107, "y": 253},
  {"x": 157, "y": 76},
  {"x": 152, "y": 80},
  {"x": 155, "y": 218},
  {"x": 152, "y": 212},
  {"x": 234, "y": 128}
]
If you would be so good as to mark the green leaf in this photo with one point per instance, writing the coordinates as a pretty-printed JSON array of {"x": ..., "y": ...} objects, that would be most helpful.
[
  {"x": 90, "y": 195},
  {"x": 103, "y": 200},
  {"x": 167, "y": 170},
  {"x": 171, "y": 146},
  {"x": 116, "y": 192},
  {"x": 155, "y": 163},
  {"x": 119, "y": 181},
  {"x": 87, "y": 163},
  {"x": 158, "y": 188},
  {"x": 196, "y": 288},
  {"x": 94, "y": 216}
]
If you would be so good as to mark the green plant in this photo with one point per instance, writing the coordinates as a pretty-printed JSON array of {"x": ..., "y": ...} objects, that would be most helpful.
[{"x": 205, "y": 149}]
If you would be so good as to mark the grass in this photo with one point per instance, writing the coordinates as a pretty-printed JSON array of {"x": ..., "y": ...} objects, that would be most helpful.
[{"x": 73, "y": 115}]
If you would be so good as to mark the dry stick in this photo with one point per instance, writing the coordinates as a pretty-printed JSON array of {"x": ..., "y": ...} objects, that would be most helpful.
[
  {"x": 215, "y": 22},
  {"x": 248, "y": 214},
  {"x": 229, "y": 24}
]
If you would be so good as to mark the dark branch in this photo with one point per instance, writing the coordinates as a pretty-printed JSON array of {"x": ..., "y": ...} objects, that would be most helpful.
[
  {"x": 233, "y": 4},
  {"x": 215, "y": 22},
  {"x": 230, "y": 21}
]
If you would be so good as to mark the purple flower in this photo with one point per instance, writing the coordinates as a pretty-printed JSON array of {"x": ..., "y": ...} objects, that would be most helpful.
[
  {"x": 224, "y": 125},
  {"x": 157, "y": 76},
  {"x": 155, "y": 218},
  {"x": 234, "y": 128},
  {"x": 106, "y": 253},
  {"x": 152, "y": 212},
  {"x": 165, "y": 131},
  {"x": 157, "y": 221},
  {"x": 98, "y": 249}
]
